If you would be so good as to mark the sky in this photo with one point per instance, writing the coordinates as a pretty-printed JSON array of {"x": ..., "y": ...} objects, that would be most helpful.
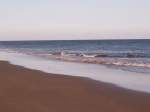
[{"x": 74, "y": 19}]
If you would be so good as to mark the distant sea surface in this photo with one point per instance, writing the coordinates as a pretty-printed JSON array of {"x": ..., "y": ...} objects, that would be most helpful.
[{"x": 129, "y": 55}]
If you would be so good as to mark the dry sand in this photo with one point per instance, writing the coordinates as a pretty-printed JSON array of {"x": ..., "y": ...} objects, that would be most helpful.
[{"x": 24, "y": 90}]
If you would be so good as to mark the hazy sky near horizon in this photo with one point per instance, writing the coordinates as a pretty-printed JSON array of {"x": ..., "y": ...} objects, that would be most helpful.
[{"x": 74, "y": 19}]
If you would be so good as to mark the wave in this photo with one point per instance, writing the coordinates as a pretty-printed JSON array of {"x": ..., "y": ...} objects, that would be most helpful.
[
  {"x": 116, "y": 59},
  {"x": 99, "y": 55},
  {"x": 101, "y": 59},
  {"x": 130, "y": 64}
]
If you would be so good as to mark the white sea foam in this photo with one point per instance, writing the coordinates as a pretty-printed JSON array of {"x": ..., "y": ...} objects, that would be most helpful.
[{"x": 125, "y": 79}]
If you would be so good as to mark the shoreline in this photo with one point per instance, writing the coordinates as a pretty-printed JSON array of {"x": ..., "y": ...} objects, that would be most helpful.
[
  {"x": 130, "y": 80},
  {"x": 26, "y": 90}
]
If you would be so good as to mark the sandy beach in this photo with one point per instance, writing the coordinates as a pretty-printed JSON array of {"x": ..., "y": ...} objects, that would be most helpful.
[{"x": 24, "y": 90}]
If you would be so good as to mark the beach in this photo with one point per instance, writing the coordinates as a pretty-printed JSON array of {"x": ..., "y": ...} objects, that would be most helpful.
[{"x": 25, "y": 90}]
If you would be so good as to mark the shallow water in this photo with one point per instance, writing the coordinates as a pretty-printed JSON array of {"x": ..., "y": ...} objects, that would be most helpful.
[{"x": 128, "y": 55}]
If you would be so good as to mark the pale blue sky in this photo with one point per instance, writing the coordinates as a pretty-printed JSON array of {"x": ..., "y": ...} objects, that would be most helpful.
[{"x": 74, "y": 19}]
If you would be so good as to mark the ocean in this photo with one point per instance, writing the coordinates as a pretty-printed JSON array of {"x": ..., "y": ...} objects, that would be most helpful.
[
  {"x": 124, "y": 63},
  {"x": 130, "y": 55}
]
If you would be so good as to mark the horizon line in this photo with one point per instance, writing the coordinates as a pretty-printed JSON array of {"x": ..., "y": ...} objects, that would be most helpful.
[{"x": 75, "y": 39}]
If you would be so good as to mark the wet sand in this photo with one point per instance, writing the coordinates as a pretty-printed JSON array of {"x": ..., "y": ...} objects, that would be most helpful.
[{"x": 25, "y": 90}]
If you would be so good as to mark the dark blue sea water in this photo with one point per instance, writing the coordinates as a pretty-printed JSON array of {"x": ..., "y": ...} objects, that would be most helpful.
[{"x": 131, "y": 55}]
